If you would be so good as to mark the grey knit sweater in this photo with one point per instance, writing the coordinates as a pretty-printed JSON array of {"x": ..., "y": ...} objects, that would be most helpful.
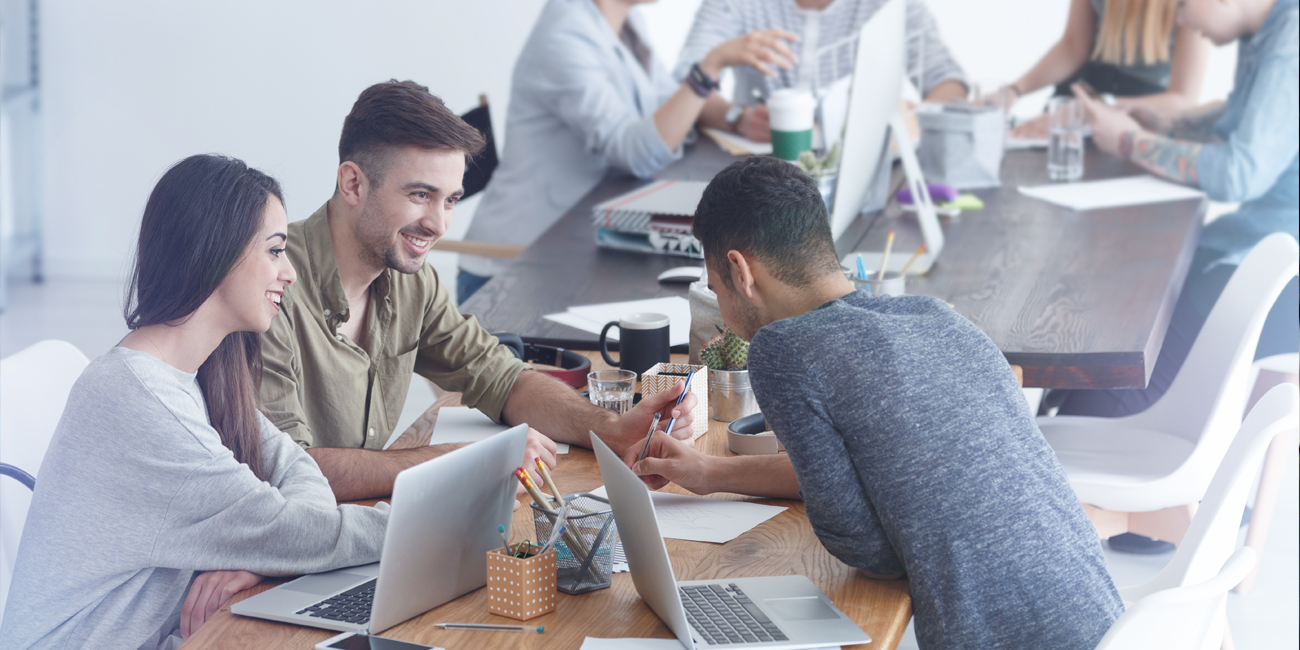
[
  {"x": 137, "y": 493},
  {"x": 916, "y": 452}
]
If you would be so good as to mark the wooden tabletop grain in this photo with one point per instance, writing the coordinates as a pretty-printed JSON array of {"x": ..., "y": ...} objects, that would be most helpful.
[
  {"x": 1079, "y": 299},
  {"x": 782, "y": 545}
]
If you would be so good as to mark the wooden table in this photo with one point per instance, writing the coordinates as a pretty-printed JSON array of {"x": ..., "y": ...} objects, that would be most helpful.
[
  {"x": 782, "y": 545},
  {"x": 1079, "y": 299}
]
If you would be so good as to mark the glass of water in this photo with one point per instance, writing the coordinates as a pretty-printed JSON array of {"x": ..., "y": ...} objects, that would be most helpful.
[
  {"x": 612, "y": 389},
  {"x": 1065, "y": 139}
]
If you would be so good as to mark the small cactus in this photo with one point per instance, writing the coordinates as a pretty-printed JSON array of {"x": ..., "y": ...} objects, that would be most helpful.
[{"x": 727, "y": 351}]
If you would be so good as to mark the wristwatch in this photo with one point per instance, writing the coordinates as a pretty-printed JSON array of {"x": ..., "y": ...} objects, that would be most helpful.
[{"x": 733, "y": 116}]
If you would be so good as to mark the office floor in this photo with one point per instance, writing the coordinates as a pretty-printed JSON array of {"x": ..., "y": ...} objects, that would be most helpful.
[{"x": 89, "y": 315}]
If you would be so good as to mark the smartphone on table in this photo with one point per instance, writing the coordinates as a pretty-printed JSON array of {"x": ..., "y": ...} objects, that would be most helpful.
[{"x": 359, "y": 641}]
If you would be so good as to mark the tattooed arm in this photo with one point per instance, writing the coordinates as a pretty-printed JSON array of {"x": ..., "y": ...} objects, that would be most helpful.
[
  {"x": 1117, "y": 133},
  {"x": 1167, "y": 157},
  {"x": 1196, "y": 124}
]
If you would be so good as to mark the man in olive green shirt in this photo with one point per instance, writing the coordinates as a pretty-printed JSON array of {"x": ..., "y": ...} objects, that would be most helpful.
[{"x": 367, "y": 311}]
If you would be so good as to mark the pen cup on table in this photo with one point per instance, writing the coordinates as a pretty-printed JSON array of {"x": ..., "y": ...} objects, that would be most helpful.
[
  {"x": 663, "y": 376},
  {"x": 521, "y": 587},
  {"x": 890, "y": 284},
  {"x": 584, "y": 553}
]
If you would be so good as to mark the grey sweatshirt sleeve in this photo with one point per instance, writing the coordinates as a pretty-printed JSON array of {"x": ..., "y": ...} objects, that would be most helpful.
[
  {"x": 837, "y": 504},
  {"x": 291, "y": 525}
]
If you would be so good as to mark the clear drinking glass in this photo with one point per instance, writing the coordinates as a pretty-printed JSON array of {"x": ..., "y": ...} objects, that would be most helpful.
[
  {"x": 1064, "y": 139},
  {"x": 612, "y": 389}
]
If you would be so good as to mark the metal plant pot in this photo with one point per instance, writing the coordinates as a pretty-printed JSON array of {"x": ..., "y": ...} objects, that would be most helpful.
[{"x": 730, "y": 396}]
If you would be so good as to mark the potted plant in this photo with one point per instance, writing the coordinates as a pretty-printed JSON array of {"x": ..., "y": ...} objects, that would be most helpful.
[{"x": 730, "y": 396}]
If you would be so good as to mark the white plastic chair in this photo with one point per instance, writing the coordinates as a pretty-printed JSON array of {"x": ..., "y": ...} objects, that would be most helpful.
[
  {"x": 34, "y": 387},
  {"x": 1213, "y": 532},
  {"x": 1144, "y": 473},
  {"x": 1178, "y": 618},
  {"x": 1269, "y": 372}
]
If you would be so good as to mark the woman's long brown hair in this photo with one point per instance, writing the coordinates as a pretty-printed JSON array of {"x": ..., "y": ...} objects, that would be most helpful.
[
  {"x": 1135, "y": 31},
  {"x": 200, "y": 219}
]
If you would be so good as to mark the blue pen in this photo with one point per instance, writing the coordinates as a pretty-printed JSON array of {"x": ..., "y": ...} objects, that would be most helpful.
[
  {"x": 862, "y": 269},
  {"x": 669, "y": 429}
]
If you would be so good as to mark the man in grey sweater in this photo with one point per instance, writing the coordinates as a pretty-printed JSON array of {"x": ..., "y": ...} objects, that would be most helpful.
[{"x": 906, "y": 434}]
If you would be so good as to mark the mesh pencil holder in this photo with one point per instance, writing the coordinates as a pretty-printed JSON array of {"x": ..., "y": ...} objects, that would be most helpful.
[
  {"x": 521, "y": 588},
  {"x": 584, "y": 553}
]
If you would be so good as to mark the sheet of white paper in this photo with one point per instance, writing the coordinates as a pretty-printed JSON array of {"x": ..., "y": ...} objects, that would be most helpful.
[
  {"x": 575, "y": 321},
  {"x": 676, "y": 308},
  {"x": 593, "y": 643},
  {"x": 1115, "y": 192},
  {"x": 701, "y": 519},
  {"x": 757, "y": 148},
  {"x": 462, "y": 424}
]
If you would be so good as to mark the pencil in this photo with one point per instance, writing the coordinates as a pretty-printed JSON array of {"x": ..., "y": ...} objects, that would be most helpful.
[
  {"x": 884, "y": 261},
  {"x": 915, "y": 256},
  {"x": 550, "y": 482},
  {"x": 536, "y": 494},
  {"x": 490, "y": 627}
]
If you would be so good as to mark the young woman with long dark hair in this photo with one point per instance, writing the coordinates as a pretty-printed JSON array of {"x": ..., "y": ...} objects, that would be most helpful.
[{"x": 162, "y": 467}]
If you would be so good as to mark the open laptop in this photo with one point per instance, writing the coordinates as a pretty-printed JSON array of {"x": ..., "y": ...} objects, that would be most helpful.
[
  {"x": 771, "y": 612},
  {"x": 442, "y": 523}
]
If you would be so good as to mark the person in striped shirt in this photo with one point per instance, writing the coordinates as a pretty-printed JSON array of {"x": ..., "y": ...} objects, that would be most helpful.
[{"x": 823, "y": 52}]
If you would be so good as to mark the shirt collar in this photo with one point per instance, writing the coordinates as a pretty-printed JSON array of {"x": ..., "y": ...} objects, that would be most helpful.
[{"x": 323, "y": 268}]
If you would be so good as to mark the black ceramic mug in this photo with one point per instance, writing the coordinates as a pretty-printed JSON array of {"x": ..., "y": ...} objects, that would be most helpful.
[{"x": 642, "y": 341}]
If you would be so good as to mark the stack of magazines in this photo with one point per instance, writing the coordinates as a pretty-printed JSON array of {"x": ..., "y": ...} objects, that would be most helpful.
[{"x": 656, "y": 218}]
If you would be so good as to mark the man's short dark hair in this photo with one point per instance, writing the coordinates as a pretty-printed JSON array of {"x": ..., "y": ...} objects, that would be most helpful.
[
  {"x": 769, "y": 209},
  {"x": 395, "y": 114}
]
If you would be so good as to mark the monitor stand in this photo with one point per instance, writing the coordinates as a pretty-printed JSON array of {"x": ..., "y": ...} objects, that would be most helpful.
[{"x": 925, "y": 214}]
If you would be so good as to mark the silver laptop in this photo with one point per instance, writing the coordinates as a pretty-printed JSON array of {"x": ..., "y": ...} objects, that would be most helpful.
[
  {"x": 771, "y": 612},
  {"x": 443, "y": 521}
]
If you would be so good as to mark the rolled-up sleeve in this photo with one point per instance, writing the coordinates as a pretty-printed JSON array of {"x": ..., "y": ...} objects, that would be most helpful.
[
  {"x": 1261, "y": 148},
  {"x": 575, "y": 86},
  {"x": 456, "y": 353}
]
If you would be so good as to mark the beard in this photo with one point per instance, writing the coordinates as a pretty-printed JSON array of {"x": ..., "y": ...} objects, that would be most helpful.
[
  {"x": 745, "y": 319},
  {"x": 378, "y": 246}
]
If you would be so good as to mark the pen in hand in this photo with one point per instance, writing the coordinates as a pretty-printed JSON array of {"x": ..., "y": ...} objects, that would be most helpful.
[
  {"x": 669, "y": 429},
  {"x": 653, "y": 423}
]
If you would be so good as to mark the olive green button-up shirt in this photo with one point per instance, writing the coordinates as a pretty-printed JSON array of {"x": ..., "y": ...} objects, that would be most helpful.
[{"x": 326, "y": 391}]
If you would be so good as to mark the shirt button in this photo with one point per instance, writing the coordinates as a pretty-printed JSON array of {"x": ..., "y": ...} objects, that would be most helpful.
[
  {"x": 327, "y": 313},
  {"x": 338, "y": 336},
  {"x": 371, "y": 432}
]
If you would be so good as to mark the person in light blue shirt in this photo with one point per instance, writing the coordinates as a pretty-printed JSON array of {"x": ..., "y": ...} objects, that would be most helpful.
[
  {"x": 588, "y": 99},
  {"x": 1246, "y": 151}
]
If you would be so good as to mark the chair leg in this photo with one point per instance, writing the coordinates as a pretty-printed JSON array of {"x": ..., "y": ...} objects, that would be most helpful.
[
  {"x": 1168, "y": 524},
  {"x": 1265, "y": 500},
  {"x": 1271, "y": 476}
]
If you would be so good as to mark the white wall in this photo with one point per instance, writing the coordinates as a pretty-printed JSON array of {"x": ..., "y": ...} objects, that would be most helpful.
[{"x": 132, "y": 87}]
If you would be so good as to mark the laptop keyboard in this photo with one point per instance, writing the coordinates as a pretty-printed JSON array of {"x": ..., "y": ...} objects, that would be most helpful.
[
  {"x": 725, "y": 615},
  {"x": 351, "y": 606}
]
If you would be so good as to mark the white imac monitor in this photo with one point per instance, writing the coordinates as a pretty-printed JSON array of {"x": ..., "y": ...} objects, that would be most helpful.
[{"x": 876, "y": 88}]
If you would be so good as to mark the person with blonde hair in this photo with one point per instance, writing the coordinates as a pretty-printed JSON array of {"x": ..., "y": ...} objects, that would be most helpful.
[{"x": 1129, "y": 51}]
